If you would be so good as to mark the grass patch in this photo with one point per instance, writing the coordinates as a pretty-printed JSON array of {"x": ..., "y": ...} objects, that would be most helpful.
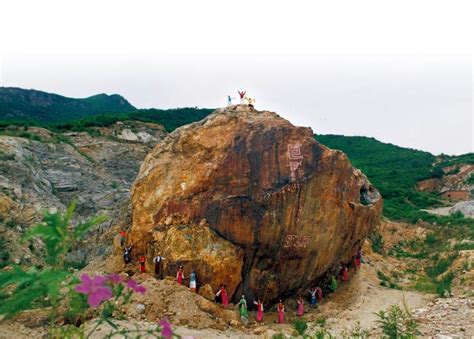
[{"x": 20, "y": 134}]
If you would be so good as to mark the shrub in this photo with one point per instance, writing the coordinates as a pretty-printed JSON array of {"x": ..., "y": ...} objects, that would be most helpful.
[
  {"x": 377, "y": 242},
  {"x": 321, "y": 321},
  {"x": 10, "y": 223},
  {"x": 300, "y": 326},
  {"x": 443, "y": 285},
  {"x": 4, "y": 253},
  {"x": 397, "y": 323},
  {"x": 322, "y": 333},
  {"x": 440, "y": 266}
]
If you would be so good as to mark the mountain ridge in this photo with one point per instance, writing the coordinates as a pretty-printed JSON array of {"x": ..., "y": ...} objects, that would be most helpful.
[{"x": 43, "y": 107}]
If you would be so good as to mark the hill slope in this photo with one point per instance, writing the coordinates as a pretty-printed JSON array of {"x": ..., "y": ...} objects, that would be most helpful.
[
  {"x": 41, "y": 107},
  {"x": 395, "y": 171}
]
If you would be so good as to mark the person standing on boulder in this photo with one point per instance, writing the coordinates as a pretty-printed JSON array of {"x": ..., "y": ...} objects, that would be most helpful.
[
  {"x": 229, "y": 100},
  {"x": 180, "y": 275},
  {"x": 193, "y": 281},
  {"x": 242, "y": 305},
  {"x": 142, "y": 261},
  {"x": 242, "y": 96},
  {"x": 300, "y": 306},
  {"x": 281, "y": 312},
  {"x": 157, "y": 261},
  {"x": 259, "y": 310}
]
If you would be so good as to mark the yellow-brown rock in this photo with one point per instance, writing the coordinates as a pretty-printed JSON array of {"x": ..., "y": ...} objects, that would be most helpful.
[{"x": 289, "y": 208}]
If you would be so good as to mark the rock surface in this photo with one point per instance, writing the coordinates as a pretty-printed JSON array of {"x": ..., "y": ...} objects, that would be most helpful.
[
  {"x": 465, "y": 207},
  {"x": 51, "y": 170},
  {"x": 294, "y": 208},
  {"x": 456, "y": 178}
]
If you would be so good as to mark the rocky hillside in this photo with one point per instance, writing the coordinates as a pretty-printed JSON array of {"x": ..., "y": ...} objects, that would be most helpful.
[
  {"x": 41, "y": 169},
  {"x": 246, "y": 198},
  {"x": 36, "y": 106}
]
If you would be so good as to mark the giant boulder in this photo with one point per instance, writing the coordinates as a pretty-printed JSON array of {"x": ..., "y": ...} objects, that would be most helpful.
[{"x": 286, "y": 209}]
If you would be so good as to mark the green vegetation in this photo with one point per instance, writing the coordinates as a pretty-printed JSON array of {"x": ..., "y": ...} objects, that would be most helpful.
[
  {"x": 4, "y": 253},
  {"x": 42, "y": 287},
  {"x": 397, "y": 323},
  {"x": 6, "y": 157},
  {"x": 395, "y": 172},
  {"x": 170, "y": 119},
  {"x": 446, "y": 160},
  {"x": 376, "y": 240},
  {"x": 22, "y": 107},
  {"x": 33, "y": 107},
  {"x": 20, "y": 134},
  {"x": 300, "y": 326},
  {"x": 436, "y": 256}
]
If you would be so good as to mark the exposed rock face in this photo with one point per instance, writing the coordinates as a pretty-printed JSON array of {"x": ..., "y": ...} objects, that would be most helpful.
[
  {"x": 465, "y": 207},
  {"x": 455, "y": 184},
  {"x": 96, "y": 170},
  {"x": 295, "y": 208}
]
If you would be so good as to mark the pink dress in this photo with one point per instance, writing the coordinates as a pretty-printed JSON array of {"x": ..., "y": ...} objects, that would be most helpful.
[
  {"x": 300, "y": 308},
  {"x": 259, "y": 312},
  {"x": 281, "y": 314},
  {"x": 320, "y": 294},
  {"x": 179, "y": 277},
  {"x": 345, "y": 274},
  {"x": 225, "y": 300}
]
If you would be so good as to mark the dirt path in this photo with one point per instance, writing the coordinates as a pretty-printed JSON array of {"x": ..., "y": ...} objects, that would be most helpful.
[{"x": 362, "y": 296}]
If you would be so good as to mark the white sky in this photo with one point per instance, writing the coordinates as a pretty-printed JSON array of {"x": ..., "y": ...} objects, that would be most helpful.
[{"x": 400, "y": 71}]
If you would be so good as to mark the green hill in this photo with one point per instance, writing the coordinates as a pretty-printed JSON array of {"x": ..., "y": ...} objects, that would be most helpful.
[
  {"x": 395, "y": 171},
  {"x": 17, "y": 104},
  {"x": 35, "y": 108},
  {"x": 169, "y": 118}
]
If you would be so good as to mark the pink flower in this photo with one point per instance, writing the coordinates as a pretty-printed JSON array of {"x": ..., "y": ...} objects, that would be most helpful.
[
  {"x": 114, "y": 278},
  {"x": 95, "y": 289},
  {"x": 166, "y": 330},
  {"x": 133, "y": 285}
]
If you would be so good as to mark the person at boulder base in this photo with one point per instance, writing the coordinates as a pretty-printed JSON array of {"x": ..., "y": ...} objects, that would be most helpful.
[
  {"x": 242, "y": 305},
  {"x": 357, "y": 259},
  {"x": 242, "y": 96},
  {"x": 344, "y": 273},
  {"x": 141, "y": 262},
  {"x": 127, "y": 254},
  {"x": 218, "y": 297},
  {"x": 259, "y": 304},
  {"x": 300, "y": 306},
  {"x": 313, "y": 297},
  {"x": 193, "y": 281},
  {"x": 180, "y": 275},
  {"x": 224, "y": 297},
  {"x": 281, "y": 312},
  {"x": 333, "y": 283},
  {"x": 123, "y": 237},
  {"x": 158, "y": 263},
  {"x": 319, "y": 293}
]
